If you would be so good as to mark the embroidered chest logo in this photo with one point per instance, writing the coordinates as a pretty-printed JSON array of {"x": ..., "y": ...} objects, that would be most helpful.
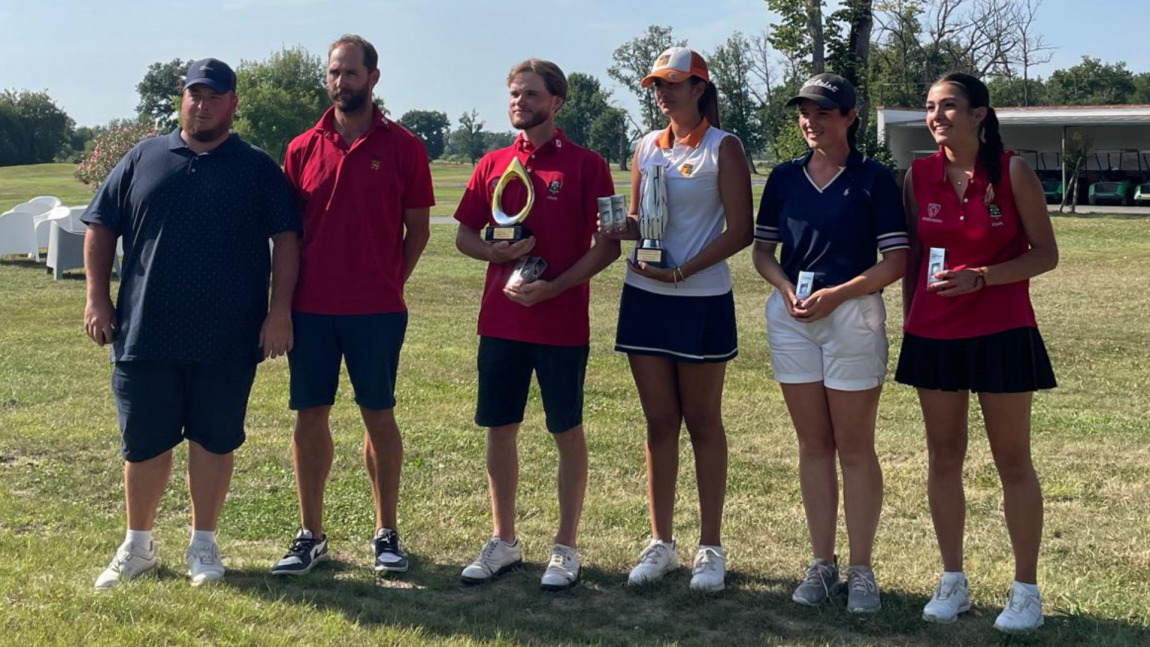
[
  {"x": 994, "y": 211},
  {"x": 687, "y": 169},
  {"x": 375, "y": 165},
  {"x": 554, "y": 187},
  {"x": 932, "y": 211}
]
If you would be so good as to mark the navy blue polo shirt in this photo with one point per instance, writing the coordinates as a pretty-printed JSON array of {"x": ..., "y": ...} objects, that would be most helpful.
[
  {"x": 833, "y": 231},
  {"x": 195, "y": 228}
]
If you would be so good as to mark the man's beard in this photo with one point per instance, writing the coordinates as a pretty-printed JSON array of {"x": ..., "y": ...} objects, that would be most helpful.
[
  {"x": 528, "y": 123},
  {"x": 206, "y": 134},
  {"x": 352, "y": 103}
]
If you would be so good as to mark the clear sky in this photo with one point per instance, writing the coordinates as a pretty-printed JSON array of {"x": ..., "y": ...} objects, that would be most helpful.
[{"x": 449, "y": 55}]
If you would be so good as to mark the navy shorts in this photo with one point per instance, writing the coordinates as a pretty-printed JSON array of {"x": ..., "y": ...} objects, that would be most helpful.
[
  {"x": 370, "y": 345},
  {"x": 505, "y": 368},
  {"x": 162, "y": 403},
  {"x": 695, "y": 330}
]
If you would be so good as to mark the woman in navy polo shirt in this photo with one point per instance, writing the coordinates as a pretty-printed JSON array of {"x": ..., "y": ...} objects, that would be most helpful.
[
  {"x": 677, "y": 323},
  {"x": 971, "y": 327},
  {"x": 830, "y": 210}
]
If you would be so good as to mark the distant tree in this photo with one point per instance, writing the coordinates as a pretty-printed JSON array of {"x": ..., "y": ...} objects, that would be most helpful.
[
  {"x": 609, "y": 137},
  {"x": 33, "y": 129},
  {"x": 586, "y": 100},
  {"x": 1142, "y": 88},
  {"x": 1091, "y": 82},
  {"x": 280, "y": 98},
  {"x": 471, "y": 143},
  {"x": 159, "y": 93},
  {"x": 633, "y": 61},
  {"x": 1078, "y": 148},
  {"x": 431, "y": 126},
  {"x": 494, "y": 140},
  {"x": 731, "y": 68},
  {"x": 110, "y": 145}
]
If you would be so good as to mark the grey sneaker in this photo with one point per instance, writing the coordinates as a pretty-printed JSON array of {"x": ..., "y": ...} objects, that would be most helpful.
[
  {"x": 820, "y": 583},
  {"x": 862, "y": 590}
]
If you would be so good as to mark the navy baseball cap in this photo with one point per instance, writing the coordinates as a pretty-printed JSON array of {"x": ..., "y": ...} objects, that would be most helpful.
[
  {"x": 213, "y": 73},
  {"x": 829, "y": 91}
]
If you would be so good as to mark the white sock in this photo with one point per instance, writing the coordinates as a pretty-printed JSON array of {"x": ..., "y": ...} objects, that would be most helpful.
[
  {"x": 204, "y": 536},
  {"x": 953, "y": 576},
  {"x": 1032, "y": 589},
  {"x": 140, "y": 539}
]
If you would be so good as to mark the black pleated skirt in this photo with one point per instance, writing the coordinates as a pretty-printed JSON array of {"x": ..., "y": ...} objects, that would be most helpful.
[{"x": 1012, "y": 361}]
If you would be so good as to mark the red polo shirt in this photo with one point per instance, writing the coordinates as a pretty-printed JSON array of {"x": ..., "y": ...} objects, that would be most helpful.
[
  {"x": 978, "y": 229},
  {"x": 568, "y": 180},
  {"x": 351, "y": 259}
]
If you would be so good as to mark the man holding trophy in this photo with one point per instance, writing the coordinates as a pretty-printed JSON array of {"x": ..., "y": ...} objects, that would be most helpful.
[
  {"x": 691, "y": 183},
  {"x": 534, "y": 313}
]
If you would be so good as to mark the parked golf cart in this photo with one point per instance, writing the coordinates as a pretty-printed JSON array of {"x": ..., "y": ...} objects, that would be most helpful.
[
  {"x": 1049, "y": 174},
  {"x": 1142, "y": 191},
  {"x": 1118, "y": 177}
]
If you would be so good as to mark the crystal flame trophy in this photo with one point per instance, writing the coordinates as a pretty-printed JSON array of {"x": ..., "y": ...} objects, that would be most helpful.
[{"x": 510, "y": 227}]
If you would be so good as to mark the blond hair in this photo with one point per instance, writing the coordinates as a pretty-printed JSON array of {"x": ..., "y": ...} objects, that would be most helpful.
[{"x": 552, "y": 76}]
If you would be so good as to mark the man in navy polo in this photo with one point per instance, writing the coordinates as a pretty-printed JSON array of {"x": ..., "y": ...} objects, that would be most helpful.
[{"x": 195, "y": 210}]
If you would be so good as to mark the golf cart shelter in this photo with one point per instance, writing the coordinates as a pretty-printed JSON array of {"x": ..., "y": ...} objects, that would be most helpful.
[{"x": 1119, "y": 159}]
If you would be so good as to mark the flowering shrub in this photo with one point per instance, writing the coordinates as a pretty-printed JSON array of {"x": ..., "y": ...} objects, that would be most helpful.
[{"x": 110, "y": 145}]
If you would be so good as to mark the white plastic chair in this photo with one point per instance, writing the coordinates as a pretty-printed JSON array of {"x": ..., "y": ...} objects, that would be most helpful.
[
  {"x": 65, "y": 248},
  {"x": 43, "y": 223},
  {"x": 50, "y": 201},
  {"x": 18, "y": 234}
]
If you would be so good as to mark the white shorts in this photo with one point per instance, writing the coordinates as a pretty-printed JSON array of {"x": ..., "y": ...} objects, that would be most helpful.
[{"x": 846, "y": 351}]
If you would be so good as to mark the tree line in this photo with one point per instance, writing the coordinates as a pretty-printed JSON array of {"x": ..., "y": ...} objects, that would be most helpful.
[{"x": 891, "y": 50}]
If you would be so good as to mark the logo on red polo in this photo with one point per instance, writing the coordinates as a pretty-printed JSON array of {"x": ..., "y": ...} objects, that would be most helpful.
[{"x": 932, "y": 211}]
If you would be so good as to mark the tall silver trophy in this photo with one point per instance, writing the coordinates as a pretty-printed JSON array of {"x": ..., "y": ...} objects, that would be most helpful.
[{"x": 652, "y": 218}]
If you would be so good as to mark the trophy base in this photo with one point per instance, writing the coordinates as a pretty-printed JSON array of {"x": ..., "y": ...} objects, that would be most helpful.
[
  {"x": 510, "y": 233},
  {"x": 653, "y": 256}
]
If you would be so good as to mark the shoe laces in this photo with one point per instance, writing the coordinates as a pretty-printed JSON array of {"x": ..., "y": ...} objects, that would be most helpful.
[
  {"x": 388, "y": 542},
  {"x": 489, "y": 549},
  {"x": 944, "y": 590},
  {"x": 707, "y": 559},
  {"x": 559, "y": 558},
  {"x": 301, "y": 545},
  {"x": 819, "y": 573},
  {"x": 653, "y": 552},
  {"x": 861, "y": 581},
  {"x": 206, "y": 555},
  {"x": 1017, "y": 603}
]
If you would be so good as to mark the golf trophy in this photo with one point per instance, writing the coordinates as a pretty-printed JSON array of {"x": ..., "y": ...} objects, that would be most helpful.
[
  {"x": 653, "y": 218},
  {"x": 510, "y": 228}
]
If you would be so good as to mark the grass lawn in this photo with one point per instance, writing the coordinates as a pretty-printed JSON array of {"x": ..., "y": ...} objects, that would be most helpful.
[{"x": 61, "y": 506}]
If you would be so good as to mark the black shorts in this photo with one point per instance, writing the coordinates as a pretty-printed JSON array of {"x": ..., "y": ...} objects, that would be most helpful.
[
  {"x": 369, "y": 343},
  {"x": 1012, "y": 361},
  {"x": 505, "y": 368},
  {"x": 162, "y": 403},
  {"x": 696, "y": 330}
]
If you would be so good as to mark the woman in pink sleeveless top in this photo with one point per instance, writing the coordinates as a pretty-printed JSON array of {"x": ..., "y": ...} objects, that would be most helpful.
[{"x": 980, "y": 231}]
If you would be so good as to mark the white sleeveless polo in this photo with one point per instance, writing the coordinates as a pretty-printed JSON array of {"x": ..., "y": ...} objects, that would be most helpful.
[{"x": 695, "y": 211}]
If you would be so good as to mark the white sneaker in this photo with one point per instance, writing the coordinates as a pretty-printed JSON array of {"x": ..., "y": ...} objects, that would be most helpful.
[
  {"x": 710, "y": 570},
  {"x": 129, "y": 563},
  {"x": 563, "y": 570},
  {"x": 951, "y": 597},
  {"x": 1023, "y": 612},
  {"x": 204, "y": 563},
  {"x": 496, "y": 558},
  {"x": 656, "y": 560}
]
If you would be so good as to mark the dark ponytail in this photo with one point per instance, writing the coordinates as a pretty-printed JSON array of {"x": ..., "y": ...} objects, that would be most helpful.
[
  {"x": 990, "y": 146},
  {"x": 852, "y": 131},
  {"x": 709, "y": 102}
]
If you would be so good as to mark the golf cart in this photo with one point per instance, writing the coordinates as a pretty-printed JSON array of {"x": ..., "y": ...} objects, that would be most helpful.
[
  {"x": 1142, "y": 191},
  {"x": 1118, "y": 178},
  {"x": 1050, "y": 174}
]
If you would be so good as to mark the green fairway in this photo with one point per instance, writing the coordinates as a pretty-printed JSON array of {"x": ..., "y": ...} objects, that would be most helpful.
[{"x": 61, "y": 500}]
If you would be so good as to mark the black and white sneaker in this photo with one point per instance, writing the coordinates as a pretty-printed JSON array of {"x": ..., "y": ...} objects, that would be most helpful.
[
  {"x": 389, "y": 555},
  {"x": 304, "y": 553}
]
